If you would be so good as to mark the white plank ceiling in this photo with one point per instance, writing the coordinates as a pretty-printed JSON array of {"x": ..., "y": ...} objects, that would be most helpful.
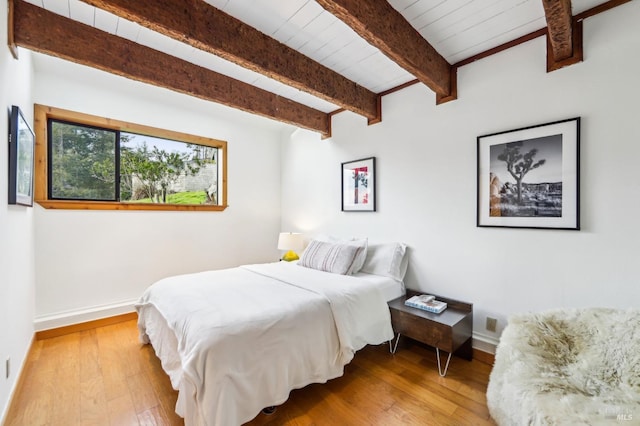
[{"x": 457, "y": 29}]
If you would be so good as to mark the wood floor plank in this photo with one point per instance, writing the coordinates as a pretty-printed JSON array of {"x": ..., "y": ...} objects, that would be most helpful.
[
  {"x": 60, "y": 366},
  {"x": 454, "y": 387},
  {"x": 93, "y": 403},
  {"x": 36, "y": 411},
  {"x": 113, "y": 370},
  {"x": 142, "y": 392},
  {"x": 154, "y": 416},
  {"x": 409, "y": 382},
  {"x": 121, "y": 411},
  {"x": 30, "y": 382},
  {"x": 105, "y": 376},
  {"x": 89, "y": 359},
  {"x": 66, "y": 395},
  {"x": 130, "y": 347},
  {"x": 166, "y": 395}
]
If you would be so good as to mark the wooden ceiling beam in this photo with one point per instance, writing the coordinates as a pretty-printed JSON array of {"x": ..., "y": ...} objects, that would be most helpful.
[
  {"x": 385, "y": 28},
  {"x": 564, "y": 34},
  {"x": 204, "y": 27},
  {"x": 558, "y": 15},
  {"x": 37, "y": 29}
]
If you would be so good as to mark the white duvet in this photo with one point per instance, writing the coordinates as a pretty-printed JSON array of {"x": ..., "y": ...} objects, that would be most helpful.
[{"x": 247, "y": 336}]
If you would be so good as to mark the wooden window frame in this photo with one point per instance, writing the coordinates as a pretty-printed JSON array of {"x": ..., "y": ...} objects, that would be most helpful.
[{"x": 43, "y": 113}]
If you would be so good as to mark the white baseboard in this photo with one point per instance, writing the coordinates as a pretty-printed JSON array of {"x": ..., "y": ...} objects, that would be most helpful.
[
  {"x": 63, "y": 319},
  {"x": 484, "y": 343}
]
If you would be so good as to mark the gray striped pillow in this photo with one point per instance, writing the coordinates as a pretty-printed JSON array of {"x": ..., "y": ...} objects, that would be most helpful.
[{"x": 329, "y": 257}]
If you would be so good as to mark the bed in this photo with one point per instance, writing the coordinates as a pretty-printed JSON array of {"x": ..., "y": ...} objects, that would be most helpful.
[{"x": 237, "y": 340}]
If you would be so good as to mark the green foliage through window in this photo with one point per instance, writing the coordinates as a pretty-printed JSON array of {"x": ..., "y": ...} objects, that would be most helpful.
[
  {"x": 92, "y": 163},
  {"x": 82, "y": 162}
]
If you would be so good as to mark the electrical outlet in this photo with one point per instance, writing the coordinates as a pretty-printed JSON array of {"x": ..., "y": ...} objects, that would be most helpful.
[
  {"x": 492, "y": 324},
  {"x": 7, "y": 368}
]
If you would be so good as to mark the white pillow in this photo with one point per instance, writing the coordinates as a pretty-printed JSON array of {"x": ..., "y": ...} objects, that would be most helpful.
[
  {"x": 329, "y": 257},
  {"x": 357, "y": 242},
  {"x": 389, "y": 260}
]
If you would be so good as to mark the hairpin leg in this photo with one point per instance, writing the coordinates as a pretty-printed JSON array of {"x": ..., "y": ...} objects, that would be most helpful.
[
  {"x": 446, "y": 367},
  {"x": 393, "y": 351}
]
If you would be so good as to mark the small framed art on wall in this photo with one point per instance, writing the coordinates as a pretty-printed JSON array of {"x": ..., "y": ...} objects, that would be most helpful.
[
  {"x": 359, "y": 185},
  {"x": 21, "y": 146}
]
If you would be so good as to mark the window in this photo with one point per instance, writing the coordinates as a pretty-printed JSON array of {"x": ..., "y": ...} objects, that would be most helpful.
[{"x": 87, "y": 162}]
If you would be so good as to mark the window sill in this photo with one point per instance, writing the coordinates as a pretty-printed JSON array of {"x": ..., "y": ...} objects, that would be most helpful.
[{"x": 110, "y": 205}]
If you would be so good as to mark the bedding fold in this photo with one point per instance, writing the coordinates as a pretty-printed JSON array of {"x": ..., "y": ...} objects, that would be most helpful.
[{"x": 359, "y": 310}]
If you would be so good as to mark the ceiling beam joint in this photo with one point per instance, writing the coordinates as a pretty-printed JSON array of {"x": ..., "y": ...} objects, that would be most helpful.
[
  {"x": 564, "y": 34},
  {"x": 385, "y": 28}
]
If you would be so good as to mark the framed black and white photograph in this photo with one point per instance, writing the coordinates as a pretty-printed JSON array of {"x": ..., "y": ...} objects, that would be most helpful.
[
  {"x": 530, "y": 177},
  {"x": 21, "y": 146},
  {"x": 359, "y": 185}
]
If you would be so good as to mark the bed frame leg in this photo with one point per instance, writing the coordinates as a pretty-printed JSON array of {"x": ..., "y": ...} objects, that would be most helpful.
[{"x": 269, "y": 410}]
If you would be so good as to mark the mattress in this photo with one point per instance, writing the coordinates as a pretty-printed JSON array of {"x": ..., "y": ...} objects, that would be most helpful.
[
  {"x": 306, "y": 336},
  {"x": 388, "y": 287}
]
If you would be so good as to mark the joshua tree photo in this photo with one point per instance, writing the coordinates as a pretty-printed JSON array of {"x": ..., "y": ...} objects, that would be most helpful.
[
  {"x": 526, "y": 178},
  {"x": 518, "y": 165}
]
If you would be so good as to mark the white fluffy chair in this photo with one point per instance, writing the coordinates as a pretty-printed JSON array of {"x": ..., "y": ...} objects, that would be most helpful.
[{"x": 568, "y": 367}]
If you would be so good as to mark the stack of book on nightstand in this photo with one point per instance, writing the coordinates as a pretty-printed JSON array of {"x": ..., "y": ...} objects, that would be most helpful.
[{"x": 427, "y": 303}]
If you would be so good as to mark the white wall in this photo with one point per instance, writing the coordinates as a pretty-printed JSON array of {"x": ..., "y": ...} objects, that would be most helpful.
[
  {"x": 95, "y": 263},
  {"x": 64, "y": 266},
  {"x": 17, "y": 280},
  {"x": 426, "y": 165}
]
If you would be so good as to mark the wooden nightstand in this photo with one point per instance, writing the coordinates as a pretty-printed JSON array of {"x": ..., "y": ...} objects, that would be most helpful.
[{"x": 449, "y": 331}]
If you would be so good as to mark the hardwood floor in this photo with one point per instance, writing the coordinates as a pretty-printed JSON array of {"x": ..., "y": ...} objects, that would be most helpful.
[{"x": 104, "y": 376}]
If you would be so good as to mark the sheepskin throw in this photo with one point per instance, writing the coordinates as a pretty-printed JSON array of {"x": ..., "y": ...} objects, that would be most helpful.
[{"x": 568, "y": 367}]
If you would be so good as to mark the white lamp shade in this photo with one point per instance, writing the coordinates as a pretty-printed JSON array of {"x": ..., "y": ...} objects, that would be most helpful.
[{"x": 290, "y": 241}]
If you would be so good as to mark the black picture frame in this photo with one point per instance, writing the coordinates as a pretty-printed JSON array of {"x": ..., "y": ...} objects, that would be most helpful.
[
  {"x": 358, "y": 184},
  {"x": 530, "y": 177},
  {"x": 21, "y": 159}
]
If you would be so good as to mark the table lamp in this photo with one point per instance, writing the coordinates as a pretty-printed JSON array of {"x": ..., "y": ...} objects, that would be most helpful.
[{"x": 290, "y": 241}]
